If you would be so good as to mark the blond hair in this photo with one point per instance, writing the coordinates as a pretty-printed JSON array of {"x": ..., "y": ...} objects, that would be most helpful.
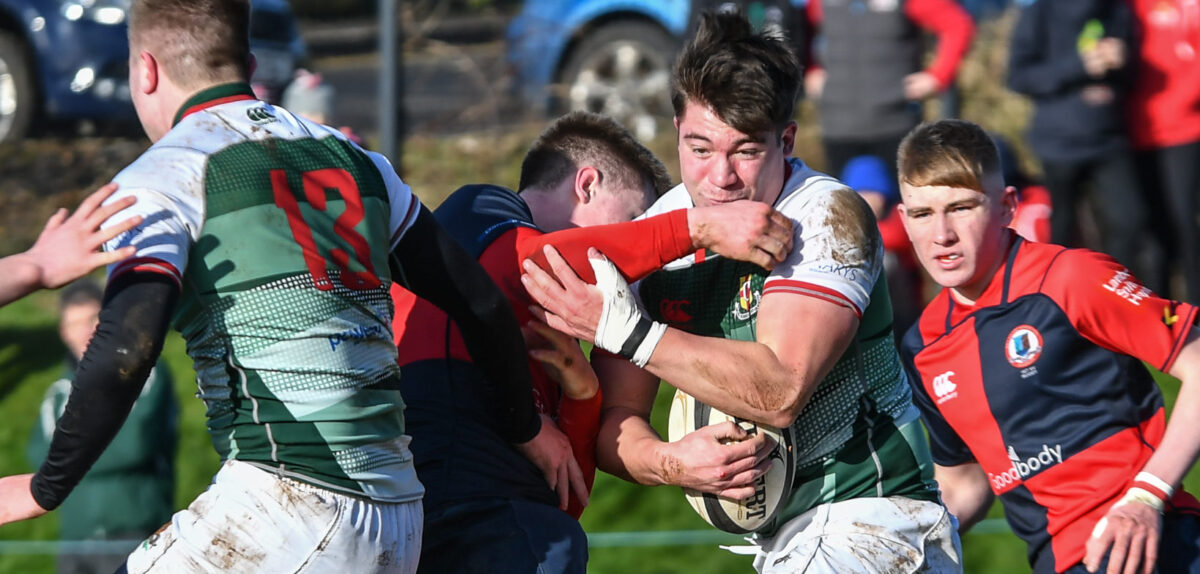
[{"x": 951, "y": 153}]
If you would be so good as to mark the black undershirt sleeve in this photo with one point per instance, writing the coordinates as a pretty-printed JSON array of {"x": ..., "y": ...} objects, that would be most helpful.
[
  {"x": 134, "y": 320},
  {"x": 431, "y": 264}
]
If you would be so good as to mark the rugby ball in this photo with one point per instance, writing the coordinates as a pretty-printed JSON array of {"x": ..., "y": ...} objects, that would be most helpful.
[{"x": 771, "y": 490}]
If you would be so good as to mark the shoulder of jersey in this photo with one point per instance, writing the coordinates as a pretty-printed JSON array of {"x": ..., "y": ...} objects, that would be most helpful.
[
  {"x": 771, "y": 491},
  {"x": 805, "y": 186},
  {"x": 475, "y": 215}
]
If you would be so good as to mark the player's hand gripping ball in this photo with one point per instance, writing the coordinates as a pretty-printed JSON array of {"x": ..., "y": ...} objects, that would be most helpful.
[{"x": 771, "y": 490}]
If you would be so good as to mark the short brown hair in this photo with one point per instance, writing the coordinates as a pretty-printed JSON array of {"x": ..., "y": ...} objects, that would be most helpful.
[
  {"x": 952, "y": 153},
  {"x": 585, "y": 138},
  {"x": 197, "y": 42},
  {"x": 749, "y": 80}
]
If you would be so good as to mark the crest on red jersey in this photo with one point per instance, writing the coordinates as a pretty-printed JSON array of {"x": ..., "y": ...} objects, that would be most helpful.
[{"x": 1023, "y": 346}]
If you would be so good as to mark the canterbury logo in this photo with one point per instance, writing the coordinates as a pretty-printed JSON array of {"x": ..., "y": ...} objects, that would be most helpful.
[
  {"x": 675, "y": 311},
  {"x": 944, "y": 388},
  {"x": 260, "y": 115}
]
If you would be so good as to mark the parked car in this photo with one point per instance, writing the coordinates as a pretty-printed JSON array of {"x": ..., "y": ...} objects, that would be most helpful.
[
  {"x": 615, "y": 56},
  {"x": 68, "y": 60}
]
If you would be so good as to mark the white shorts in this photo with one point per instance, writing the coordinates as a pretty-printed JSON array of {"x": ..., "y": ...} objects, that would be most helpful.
[
  {"x": 250, "y": 520},
  {"x": 865, "y": 535}
]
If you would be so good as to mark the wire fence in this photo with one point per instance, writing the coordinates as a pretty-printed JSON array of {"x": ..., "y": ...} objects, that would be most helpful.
[{"x": 632, "y": 539}]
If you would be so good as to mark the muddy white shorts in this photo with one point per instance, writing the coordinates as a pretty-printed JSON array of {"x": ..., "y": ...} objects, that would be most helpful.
[
  {"x": 251, "y": 520},
  {"x": 863, "y": 536}
]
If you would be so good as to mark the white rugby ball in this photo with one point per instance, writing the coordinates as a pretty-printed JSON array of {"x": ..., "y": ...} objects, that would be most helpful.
[{"x": 771, "y": 490}]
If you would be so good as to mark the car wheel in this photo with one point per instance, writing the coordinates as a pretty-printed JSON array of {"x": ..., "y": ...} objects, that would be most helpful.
[
  {"x": 17, "y": 99},
  {"x": 622, "y": 70}
]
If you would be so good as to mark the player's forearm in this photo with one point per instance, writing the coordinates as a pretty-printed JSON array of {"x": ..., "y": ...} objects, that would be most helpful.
[
  {"x": 19, "y": 276},
  {"x": 133, "y": 324},
  {"x": 628, "y": 447},
  {"x": 965, "y": 492},
  {"x": 742, "y": 378},
  {"x": 968, "y": 508},
  {"x": 637, "y": 248},
  {"x": 1181, "y": 441}
]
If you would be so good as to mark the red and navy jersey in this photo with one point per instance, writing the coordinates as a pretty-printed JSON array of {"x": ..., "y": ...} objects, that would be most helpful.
[
  {"x": 1041, "y": 382},
  {"x": 457, "y": 453}
]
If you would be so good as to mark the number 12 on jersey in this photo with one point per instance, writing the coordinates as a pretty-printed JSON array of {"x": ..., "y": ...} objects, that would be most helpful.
[{"x": 315, "y": 184}]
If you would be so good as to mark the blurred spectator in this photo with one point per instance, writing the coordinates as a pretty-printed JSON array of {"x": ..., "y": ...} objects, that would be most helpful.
[
  {"x": 866, "y": 71},
  {"x": 1032, "y": 217},
  {"x": 1164, "y": 125},
  {"x": 309, "y": 97},
  {"x": 129, "y": 493},
  {"x": 869, "y": 176},
  {"x": 1069, "y": 56}
]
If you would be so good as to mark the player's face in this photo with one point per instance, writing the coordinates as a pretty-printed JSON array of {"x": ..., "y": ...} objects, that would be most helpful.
[
  {"x": 958, "y": 233},
  {"x": 76, "y": 325},
  {"x": 720, "y": 164}
]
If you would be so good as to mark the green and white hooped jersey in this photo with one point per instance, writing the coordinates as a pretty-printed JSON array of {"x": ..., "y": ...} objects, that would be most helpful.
[
  {"x": 858, "y": 436},
  {"x": 278, "y": 231}
]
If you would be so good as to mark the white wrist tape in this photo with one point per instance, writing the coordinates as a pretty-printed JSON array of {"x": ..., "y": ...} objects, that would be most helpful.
[
  {"x": 1156, "y": 482},
  {"x": 623, "y": 328},
  {"x": 1135, "y": 494}
]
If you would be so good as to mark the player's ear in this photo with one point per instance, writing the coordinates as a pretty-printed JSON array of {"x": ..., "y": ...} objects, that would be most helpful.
[
  {"x": 149, "y": 72},
  {"x": 587, "y": 183},
  {"x": 787, "y": 138},
  {"x": 1008, "y": 204}
]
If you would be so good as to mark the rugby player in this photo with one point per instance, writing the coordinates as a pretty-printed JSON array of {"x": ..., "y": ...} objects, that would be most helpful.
[
  {"x": 1028, "y": 369},
  {"x": 808, "y": 343},
  {"x": 273, "y": 241}
]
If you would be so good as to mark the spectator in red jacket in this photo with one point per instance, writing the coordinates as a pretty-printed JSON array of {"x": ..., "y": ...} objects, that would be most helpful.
[{"x": 1164, "y": 126}]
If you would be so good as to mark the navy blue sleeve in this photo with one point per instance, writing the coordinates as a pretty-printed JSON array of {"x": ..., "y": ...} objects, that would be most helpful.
[{"x": 945, "y": 446}]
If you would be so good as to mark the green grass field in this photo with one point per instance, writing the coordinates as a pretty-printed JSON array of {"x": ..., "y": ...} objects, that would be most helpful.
[{"x": 30, "y": 357}]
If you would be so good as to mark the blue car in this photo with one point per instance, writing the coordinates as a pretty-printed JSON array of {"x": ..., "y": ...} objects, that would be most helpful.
[
  {"x": 615, "y": 56},
  {"x": 68, "y": 60}
]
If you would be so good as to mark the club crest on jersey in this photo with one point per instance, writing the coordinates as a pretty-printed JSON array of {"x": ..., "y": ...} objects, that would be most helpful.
[
  {"x": 261, "y": 115},
  {"x": 1023, "y": 346},
  {"x": 747, "y": 301}
]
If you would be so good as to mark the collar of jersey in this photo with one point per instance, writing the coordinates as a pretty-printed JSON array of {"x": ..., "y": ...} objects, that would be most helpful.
[
  {"x": 214, "y": 96},
  {"x": 993, "y": 294}
]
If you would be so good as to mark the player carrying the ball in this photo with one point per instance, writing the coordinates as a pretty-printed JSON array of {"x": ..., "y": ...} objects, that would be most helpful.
[{"x": 807, "y": 344}]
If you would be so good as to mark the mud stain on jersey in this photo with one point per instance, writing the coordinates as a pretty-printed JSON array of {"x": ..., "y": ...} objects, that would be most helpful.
[{"x": 854, "y": 237}]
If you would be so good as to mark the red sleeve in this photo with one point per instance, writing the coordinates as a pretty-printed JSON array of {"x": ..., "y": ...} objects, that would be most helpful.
[
  {"x": 580, "y": 421},
  {"x": 953, "y": 27},
  {"x": 637, "y": 248},
  {"x": 1111, "y": 308}
]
